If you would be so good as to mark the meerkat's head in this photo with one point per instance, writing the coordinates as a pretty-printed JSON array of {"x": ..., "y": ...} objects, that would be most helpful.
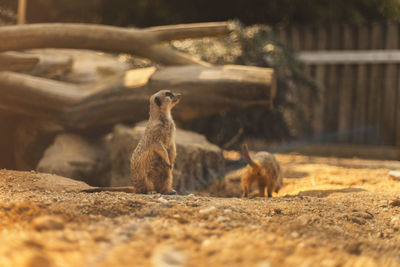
[{"x": 165, "y": 100}]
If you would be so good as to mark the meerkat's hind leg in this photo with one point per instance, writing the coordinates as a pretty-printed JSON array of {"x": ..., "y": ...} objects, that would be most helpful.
[
  {"x": 261, "y": 189},
  {"x": 246, "y": 188},
  {"x": 269, "y": 190},
  {"x": 160, "y": 150},
  {"x": 245, "y": 192}
]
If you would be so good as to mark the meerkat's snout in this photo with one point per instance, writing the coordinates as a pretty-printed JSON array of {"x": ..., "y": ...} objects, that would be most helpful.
[
  {"x": 177, "y": 97},
  {"x": 175, "y": 100}
]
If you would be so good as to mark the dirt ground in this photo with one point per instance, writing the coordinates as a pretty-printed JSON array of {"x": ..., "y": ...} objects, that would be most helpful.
[{"x": 330, "y": 212}]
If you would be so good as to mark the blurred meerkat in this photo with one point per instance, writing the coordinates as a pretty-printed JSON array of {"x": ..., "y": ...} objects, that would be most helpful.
[
  {"x": 264, "y": 170},
  {"x": 153, "y": 159}
]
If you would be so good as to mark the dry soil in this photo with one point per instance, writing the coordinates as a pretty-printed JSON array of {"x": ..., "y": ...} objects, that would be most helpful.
[{"x": 330, "y": 212}]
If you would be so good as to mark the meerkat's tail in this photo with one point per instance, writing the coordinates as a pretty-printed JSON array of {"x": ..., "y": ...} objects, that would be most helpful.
[
  {"x": 246, "y": 155},
  {"x": 126, "y": 189}
]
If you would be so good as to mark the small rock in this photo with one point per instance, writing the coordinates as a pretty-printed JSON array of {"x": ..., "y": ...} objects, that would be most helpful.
[
  {"x": 206, "y": 243},
  {"x": 380, "y": 235},
  {"x": 383, "y": 203},
  {"x": 395, "y": 175},
  {"x": 354, "y": 248},
  {"x": 265, "y": 264},
  {"x": 222, "y": 219},
  {"x": 48, "y": 223},
  {"x": 395, "y": 203},
  {"x": 357, "y": 220},
  {"x": 162, "y": 200},
  {"x": 167, "y": 257},
  {"x": 295, "y": 234},
  {"x": 303, "y": 220},
  {"x": 208, "y": 210},
  {"x": 395, "y": 222},
  {"x": 277, "y": 211},
  {"x": 227, "y": 211},
  {"x": 38, "y": 260}
]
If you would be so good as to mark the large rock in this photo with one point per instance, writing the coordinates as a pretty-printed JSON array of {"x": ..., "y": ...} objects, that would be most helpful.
[
  {"x": 32, "y": 138},
  {"x": 198, "y": 163},
  {"x": 78, "y": 158}
]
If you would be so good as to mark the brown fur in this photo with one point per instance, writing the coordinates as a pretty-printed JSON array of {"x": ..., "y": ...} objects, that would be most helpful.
[
  {"x": 264, "y": 170},
  {"x": 153, "y": 159}
]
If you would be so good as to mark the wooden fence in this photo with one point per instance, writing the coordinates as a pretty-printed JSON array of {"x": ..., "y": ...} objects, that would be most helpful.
[{"x": 361, "y": 100}]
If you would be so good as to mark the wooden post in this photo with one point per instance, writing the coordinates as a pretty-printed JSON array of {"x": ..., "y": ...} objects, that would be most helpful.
[
  {"x": 375, "y": 88},
  {"x": 346, "y": 89},
  {"x": 388, "y": 107},
  {"x": 21, "y": 12},
  {"x": 307, "y": 94},
  {"x": 320, "y": 76},
  {"x": 361, "y": 93},
  {"x": 333, "y": 82},
  {"x": 397, "y": 117}
]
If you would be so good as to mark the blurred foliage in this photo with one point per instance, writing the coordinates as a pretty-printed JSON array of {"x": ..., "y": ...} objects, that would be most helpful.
[
  {"x": 7, "y": 16},
  {"x": 144, "y": 13},
  {"x": 255, "y": 46}
]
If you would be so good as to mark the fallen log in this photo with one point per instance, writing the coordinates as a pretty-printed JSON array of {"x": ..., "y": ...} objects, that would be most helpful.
[
  {"x": 193, "y": 30},
  {"x": 35, "y": 63},
  {"x": 140, "y": 42},
  {"x": 50, "y": 65},
  {"x": 35, "y": 96},
  {"x": 124, "y": 98},
  {"x": 17, "y": 61}
]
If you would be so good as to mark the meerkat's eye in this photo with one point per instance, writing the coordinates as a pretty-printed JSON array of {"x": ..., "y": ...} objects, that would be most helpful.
[{"x": 169, "y": 94}]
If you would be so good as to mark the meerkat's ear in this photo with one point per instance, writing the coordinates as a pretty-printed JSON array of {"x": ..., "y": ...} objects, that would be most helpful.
[{"x": 157, "y": 101}]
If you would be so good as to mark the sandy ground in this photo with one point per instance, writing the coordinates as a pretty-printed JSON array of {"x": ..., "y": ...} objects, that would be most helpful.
[{"x": 330, "y": 212}]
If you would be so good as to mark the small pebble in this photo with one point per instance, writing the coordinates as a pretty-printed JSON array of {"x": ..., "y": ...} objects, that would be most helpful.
[
  {"x": 48, "y": 223},
  {"x": 222, "y": 219},
  {"x": 395, "y": 175},
  {"x": 295, "y": 234},
  {"x": 166, "y": 256},
  {"x": 162, "y": 200},
  {"x": 265, "y": 264},
  {"x": 208, "y": 210},
  {"x": 206, "y": 243}
]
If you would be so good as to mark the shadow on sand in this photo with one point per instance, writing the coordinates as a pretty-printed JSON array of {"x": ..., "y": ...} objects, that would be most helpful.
[{"x": 325, "y": 193}]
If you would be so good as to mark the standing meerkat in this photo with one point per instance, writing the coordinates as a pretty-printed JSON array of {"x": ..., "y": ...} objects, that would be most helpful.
[
  {"x": 153, "y": 159},
  {"x": 264, "y": 170}
]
